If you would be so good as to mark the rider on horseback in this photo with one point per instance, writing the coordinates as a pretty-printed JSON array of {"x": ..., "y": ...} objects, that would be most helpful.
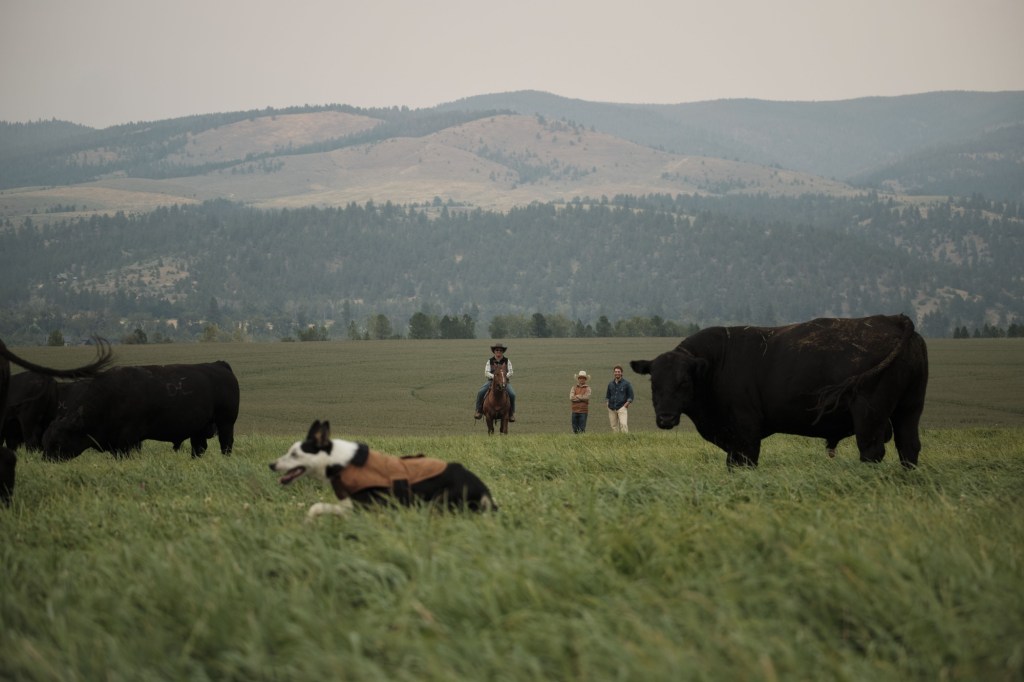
[{"x": 498, "y": 358}]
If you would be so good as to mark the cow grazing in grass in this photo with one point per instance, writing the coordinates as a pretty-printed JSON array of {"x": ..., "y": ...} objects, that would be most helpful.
[
  {"x": 828, "y": 378},
  {"x": 32, "y": 401},
  {"x": 8, "y": 460},
  {"x": 119, "y": 409}
]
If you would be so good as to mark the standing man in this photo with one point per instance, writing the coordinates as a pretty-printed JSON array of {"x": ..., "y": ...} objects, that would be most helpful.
[
  {"x": 497, "y": 358},
  {"x": 579, "y": 399},
  {"x": 618, "y": 397}
]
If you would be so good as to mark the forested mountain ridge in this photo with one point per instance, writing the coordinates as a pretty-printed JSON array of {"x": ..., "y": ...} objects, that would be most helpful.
[
  {"x": 499, "y": 151},
  {"x": 695, "y": 260},
  {"x": 264, "y": 222},
  {"x": 848, "y": 140},
  {"x": 486, "y": 160}
]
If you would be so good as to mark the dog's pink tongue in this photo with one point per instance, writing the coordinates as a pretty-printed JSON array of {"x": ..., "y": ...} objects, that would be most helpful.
[{"x": 291, "y": 476}]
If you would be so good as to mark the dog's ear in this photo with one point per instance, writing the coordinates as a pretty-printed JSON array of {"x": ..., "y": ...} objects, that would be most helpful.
[
  {"x": 322, "y": 437},
  {"x": 313, "y": 429}
]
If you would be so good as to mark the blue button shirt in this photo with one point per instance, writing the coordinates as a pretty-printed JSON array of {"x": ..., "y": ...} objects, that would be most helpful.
[{"x": 618, "y": 394}]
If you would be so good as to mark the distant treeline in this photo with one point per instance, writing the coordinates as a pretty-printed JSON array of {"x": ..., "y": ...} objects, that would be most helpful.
[
  {"x": 263, "y": 274},
  {"x": 537, "y": 326},
  {"x": 1014, "y": 331},
  {"x": 422, "y": 326}
]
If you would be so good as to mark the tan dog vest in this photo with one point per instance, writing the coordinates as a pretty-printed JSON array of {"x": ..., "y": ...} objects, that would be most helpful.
[{"x": 384, "y": 471}]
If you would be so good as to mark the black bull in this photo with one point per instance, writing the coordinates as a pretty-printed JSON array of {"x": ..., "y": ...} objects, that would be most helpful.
[
  {"x": 120, "y": 408},
  {"x": 8, "y": 460},
  {"x": 32, "y": 403},
  {"x": 828, "y": 378}
]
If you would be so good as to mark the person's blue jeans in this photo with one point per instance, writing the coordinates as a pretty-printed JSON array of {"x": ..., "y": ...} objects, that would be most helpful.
[
  {"x": 579, "y": 422},
  {"x": 483, "y": 391}
]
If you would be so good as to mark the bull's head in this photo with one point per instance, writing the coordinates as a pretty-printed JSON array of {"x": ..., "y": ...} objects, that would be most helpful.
[
  {"x": 65, "y": 438},
  {"x": 674, "y": 377}
]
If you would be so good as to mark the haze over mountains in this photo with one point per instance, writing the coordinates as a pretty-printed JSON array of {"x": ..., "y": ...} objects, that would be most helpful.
[{"x": 502, "y": 151}]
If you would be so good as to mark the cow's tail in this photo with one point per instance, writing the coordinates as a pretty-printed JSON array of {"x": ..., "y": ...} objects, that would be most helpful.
[
  {"x": 104, "y": 356},
  {"x": 830, "y": 396}
]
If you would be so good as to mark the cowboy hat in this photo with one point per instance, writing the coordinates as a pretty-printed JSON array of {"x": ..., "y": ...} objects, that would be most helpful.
[
  {"x": 496, "y": 346},
  {"x": 582, "y": 373}
]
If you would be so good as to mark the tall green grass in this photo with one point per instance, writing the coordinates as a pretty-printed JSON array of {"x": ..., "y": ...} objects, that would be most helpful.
[
  {"x": 613, "y": 557},
  {"x": 629, "y": 557}
]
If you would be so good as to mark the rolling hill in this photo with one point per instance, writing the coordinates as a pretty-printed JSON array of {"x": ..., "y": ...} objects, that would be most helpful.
[
  {"x": 512, "y": 149},
  {"x": 516, "y": 204},
  {"x": 494, "y": 162}
]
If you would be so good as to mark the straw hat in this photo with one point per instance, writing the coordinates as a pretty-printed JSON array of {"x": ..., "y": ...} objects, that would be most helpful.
[
  {"x": 582, "y": 373},
  {"x": 498, "y": 345}
]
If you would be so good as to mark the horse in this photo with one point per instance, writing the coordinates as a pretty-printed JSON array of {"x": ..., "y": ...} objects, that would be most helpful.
[{"x": 497, "y": 404}]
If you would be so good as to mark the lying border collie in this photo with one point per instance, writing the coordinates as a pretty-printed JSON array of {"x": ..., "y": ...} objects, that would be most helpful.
[{"x": 367, "y": 477}]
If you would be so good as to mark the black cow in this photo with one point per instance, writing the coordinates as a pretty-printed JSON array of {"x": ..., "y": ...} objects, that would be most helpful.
[
  {"x": 829, "y": 378},
  {"x": 31, "y": 406},
  {"x": 120, "y": 408},
  {"x": 8, "y": 460}
]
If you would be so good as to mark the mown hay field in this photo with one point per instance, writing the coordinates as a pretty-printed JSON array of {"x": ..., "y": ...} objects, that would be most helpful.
[{"x": 633, "y": 556}]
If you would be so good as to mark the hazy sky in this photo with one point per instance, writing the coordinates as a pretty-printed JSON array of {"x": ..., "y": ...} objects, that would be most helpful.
[{"x": 104, "y": 62}]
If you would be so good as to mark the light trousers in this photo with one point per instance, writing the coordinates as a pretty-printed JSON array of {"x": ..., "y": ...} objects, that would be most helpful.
[{"x": 619, "y": 420}]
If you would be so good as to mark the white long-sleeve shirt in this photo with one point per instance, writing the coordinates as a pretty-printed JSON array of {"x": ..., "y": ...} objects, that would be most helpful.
[{"x": 490, "y": 375}]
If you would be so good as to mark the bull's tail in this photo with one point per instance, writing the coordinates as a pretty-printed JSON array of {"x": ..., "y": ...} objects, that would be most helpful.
[
  {"x": 5, "y": 382},
  {"x": 830, "y": 396},
  {"x": 104, "y": 356}
]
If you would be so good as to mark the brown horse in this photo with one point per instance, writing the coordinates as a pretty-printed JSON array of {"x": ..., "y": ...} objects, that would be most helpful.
[{"x": 497, "y": 405}]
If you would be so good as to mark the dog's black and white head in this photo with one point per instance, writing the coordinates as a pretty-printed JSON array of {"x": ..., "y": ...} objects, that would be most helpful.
[{"x": 318, "y": 454}]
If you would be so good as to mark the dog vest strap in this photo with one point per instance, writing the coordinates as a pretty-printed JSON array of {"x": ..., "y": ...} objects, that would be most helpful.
[
  {"x": 402, "y": 491},
  {"x": 362, "y": 452}
]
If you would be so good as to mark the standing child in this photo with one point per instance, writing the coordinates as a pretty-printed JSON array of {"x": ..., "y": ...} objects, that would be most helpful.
[{"x": 579, "y": 399}]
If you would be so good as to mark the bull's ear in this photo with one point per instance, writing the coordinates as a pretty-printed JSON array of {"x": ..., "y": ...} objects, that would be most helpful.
[
  {"x": 641, "y": 366},
  {"x": 700, "y": 368}
]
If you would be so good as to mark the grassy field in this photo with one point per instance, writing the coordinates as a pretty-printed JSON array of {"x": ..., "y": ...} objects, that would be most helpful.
[
  {"x": 636, "y": 557},
  {"x": 369, "y": 389}
]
